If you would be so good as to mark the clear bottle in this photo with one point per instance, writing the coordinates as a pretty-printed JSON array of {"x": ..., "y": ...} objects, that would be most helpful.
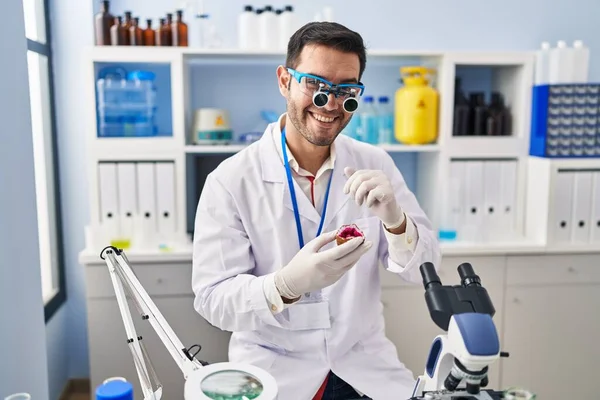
[
  {"x": 126, "y": 25},
  {"x": 103, "y": 21},
  {"x": 149, "y": 34},
  {"x": 118, "y": 34},
  {"x": 385, "y": 121},
  {"x": 136, "y": 34},
  {"x": 369, "y": 131},
  {"x": 180, "y": 31}
]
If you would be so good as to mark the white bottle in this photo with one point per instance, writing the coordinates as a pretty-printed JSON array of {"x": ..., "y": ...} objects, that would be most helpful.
[
  {"x": 268, "y": 29},
  {"x": 542, "y": 60},
  {"x": 247, "y": 29},
  {"x": 287, "y": 27},
  {"x": 560, "y": 64},
  {"x": 581, "y": 62}
]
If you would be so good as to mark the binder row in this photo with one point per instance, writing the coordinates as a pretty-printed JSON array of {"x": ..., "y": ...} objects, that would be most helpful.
[
  {"x": 576, "y": 211},
  {"x": 481, "y": 199},
  {"x": 137, "y": 200},
  {"x": 566, "y": 121}
]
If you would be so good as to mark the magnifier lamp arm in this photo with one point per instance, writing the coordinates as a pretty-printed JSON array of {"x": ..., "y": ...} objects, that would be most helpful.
[{"x": 123, "y": 276}]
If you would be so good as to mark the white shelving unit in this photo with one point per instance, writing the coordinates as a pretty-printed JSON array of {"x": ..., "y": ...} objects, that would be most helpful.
[
  {"x": 520, "y": 271},
  {"x": 511, "y": 74}
]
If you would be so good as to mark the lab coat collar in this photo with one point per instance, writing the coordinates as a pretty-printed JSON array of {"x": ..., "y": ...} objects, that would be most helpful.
[{"x": 273, "y": 170}]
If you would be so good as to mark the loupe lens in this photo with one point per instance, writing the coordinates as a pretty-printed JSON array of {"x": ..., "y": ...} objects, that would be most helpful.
[
  {"x": 320, "y": 99},
  {"x": 350, "y": 104}
]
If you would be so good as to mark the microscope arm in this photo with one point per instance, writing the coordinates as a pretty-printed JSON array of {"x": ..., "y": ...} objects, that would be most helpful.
[{"x": 125, "y": 283}]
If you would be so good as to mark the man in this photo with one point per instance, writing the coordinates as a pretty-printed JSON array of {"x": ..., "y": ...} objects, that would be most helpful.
[{"x": 301, "y": 307}]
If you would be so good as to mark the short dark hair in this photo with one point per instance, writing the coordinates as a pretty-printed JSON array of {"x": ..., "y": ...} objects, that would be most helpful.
[{"x": 330, "y": 34}]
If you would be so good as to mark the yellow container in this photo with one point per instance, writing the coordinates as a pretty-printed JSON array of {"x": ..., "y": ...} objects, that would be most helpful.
[{"x": 416, "y": 108}]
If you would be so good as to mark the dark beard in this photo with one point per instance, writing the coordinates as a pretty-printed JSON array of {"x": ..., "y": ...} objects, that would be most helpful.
[{"x": 295, "y": 117}]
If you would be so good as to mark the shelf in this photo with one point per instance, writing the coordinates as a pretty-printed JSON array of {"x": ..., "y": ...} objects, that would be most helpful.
[
  {"x": 490, "y": 249},
  {"x": 216, "y": 149},
  {"x": 486, "y": 146},
  {"x": 140, "y": 148},
  {"x": 165, "y": 54},
  {"x": 234, "y": 148}
]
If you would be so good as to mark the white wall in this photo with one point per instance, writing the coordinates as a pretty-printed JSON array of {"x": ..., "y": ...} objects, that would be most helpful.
[
  {"x": 437, "y": 24},
  {"x": 22, "y": 332},
  {"x": 71, "y": 30}
]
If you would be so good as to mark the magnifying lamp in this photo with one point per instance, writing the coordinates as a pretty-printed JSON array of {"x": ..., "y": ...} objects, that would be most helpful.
[{"x": 203, "y": 381}]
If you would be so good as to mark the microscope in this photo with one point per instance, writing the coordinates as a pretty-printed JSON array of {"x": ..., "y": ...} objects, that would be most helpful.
[{"x": 457, "y": 364}]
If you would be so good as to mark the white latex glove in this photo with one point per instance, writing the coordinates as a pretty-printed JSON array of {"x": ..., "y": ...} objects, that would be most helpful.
[
  {"x": 374, "y": 189},
  {"x": 312, "y": 270}
]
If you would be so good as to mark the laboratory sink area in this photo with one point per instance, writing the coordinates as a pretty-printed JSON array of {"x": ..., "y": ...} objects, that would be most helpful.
[{"x": 201, "y": 197}]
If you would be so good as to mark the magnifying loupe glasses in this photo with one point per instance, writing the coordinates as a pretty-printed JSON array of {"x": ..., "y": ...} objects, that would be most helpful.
[{"x": 321, "y": 90}]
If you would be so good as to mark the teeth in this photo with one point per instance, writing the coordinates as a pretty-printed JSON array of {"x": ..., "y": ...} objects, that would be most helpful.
[{"x": 322, "y": 118}]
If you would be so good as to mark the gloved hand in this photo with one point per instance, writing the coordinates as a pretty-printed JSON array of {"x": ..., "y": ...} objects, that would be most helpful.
[
  {"x": 312, "y": 270},
  {"x": 374, "y": 189}
]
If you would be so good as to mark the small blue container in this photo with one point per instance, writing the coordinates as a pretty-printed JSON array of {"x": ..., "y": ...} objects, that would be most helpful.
[{"x": 115, "y": 389}]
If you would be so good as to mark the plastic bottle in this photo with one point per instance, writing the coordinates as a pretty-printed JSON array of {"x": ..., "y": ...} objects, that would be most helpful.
[
  {"x": 561, "y": 64},
  {"x": 246, "y": 28},
  {"x": 267, "y": 25},
  {"x": 385, "y": 121},
  {"x": 287, "y": 26},
  {"x": 542, "y": 60},
  {"x": 581, "y": 62},
  {"x": 479, "y": 114},
  {"x": 102, "y": 23},
  {"x": 462, "y": 111},
  {"x": 416, "y": 107},
  {"x": 498, "y": 121},
  {"x": 369, "y": 131}
]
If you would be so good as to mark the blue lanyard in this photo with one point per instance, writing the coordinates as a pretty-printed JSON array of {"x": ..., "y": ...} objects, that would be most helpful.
[{"x": 288, "y": 171}]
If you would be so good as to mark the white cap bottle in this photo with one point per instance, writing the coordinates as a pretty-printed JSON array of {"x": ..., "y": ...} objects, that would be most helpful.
[
  {"x": 581, "y": 62},
  {"x": 287, "y": 26},
  {"x": 247, "y": 29},
  {"x": 268, "y": 29},
  {"x": 542, "y": 60}
]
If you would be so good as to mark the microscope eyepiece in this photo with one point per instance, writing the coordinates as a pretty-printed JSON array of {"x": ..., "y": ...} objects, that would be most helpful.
[
  {"x": 430, "y": 276},
  {"x": 468, "y": 276}
]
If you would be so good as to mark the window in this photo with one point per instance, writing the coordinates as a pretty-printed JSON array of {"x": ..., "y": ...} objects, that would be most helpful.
[{"x": 39, "y": 64}]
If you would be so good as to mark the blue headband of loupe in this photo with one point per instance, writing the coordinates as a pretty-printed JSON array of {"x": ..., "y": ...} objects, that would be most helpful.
[{"x": 322, "y": 88}]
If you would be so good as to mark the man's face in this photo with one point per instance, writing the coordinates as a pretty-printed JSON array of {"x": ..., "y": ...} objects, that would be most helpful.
[{"x": 320, "y": 126}]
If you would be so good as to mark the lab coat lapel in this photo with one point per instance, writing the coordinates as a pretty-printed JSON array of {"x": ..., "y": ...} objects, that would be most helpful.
[
  {"x": 337, "y": 198},
  {"x": 273, "y": 170}
]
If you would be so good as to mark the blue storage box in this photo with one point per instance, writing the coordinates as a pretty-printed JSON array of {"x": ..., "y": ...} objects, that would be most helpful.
[
  {"x": 565, "y": 121},
  {"x": 126, "y": 103}
]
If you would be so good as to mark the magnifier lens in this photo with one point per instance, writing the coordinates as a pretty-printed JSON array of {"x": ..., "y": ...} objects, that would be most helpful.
[
  {"x": 320, "y": 99},
  {"x": 231, "y": 385},
  {"x": 350, "y": 104}
]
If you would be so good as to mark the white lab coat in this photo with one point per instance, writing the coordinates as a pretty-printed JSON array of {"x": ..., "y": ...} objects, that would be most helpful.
[{"x": 245, "y": 229}]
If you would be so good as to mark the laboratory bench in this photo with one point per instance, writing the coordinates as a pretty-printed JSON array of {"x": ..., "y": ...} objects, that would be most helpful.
[{"x": 546, "y": 314}]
